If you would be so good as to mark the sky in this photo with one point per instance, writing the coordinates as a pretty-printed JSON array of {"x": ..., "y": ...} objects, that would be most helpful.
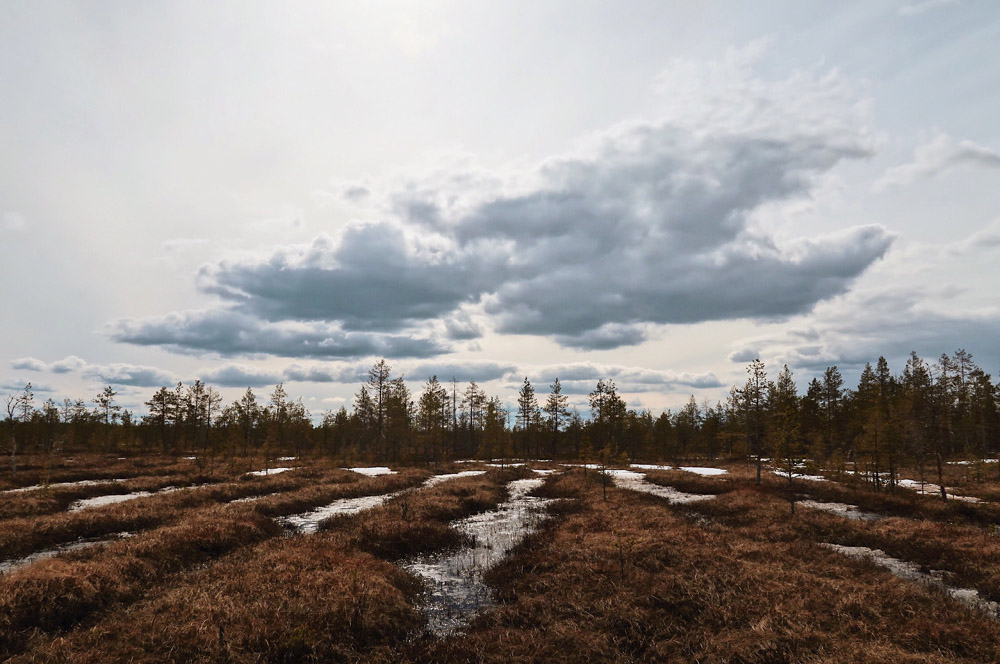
[{"x": 650, "y": 192}]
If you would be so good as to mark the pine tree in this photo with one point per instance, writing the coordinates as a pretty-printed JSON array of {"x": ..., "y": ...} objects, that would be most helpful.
[
  {"x": 527, "y": 405},
  {"x": 557, "y": 410}
]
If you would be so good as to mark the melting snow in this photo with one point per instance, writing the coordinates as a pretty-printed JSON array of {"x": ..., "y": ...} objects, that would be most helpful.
[
  {"x": 62, "y": 485},
  {"x": 456, "y": 580},
  {"x": 933, "y": 489},
  {"x": 649, "y": 466},
  {"x": 8, "y": 566},
  {"x": 912, "y": 572},
  {"x": 842, "y": 509},
  {"x": 374, "y": 471},
  {"x": 437, "y": 479},
  {"x": 308, "y": 522},
  {"x": 627, "y": 479},
  {"x": 268, "y": 471},
  {"x": 708, "y": 472},
  {"x": 800, "y": 476}
]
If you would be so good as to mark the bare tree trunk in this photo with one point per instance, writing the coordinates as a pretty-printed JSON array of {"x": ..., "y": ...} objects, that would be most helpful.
[{"x": 940, "y": 470}]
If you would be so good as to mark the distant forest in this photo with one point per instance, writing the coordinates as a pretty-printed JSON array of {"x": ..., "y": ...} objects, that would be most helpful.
[{"x": 927, "y": 413}]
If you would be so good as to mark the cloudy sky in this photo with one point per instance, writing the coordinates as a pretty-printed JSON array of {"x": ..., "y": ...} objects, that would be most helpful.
[{"x": 653, "y": 192}]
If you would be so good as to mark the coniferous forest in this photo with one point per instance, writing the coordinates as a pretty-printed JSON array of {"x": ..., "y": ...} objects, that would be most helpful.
[{"x": 922, "y": 414}]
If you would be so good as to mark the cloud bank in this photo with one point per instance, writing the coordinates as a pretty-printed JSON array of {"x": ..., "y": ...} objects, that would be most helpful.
[{"x": 646, "y": 224}]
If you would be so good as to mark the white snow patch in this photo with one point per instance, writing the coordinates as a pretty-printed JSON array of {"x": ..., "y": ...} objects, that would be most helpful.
[
  {"x": 912, "y": 572},
  {"x": 98, "y": 501},
  {"x": 373, "y": 471},
  {"x": 268, "y": 471},
  {"x": 800, "y": 476},
  {"x": 542, "y": 471},
  {"x": 708, "y": 472},
  {"x": 627, "y": 479},
  {"x": 308, "y": 522},
  {"x": 287, "y": 458},
  {"x": 8, "y": 566},
  {"x": 649, "y": 466},
  {"x": 934, "y": 490},
  {"x": 63, "y": 485},
  {"x": 842, "y": 509},
  {"x": 437, "y": 479},
  {"x": 515, "y": 464}
]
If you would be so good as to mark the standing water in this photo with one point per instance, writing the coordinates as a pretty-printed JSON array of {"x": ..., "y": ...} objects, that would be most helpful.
[{"x": 456, "y": 588}]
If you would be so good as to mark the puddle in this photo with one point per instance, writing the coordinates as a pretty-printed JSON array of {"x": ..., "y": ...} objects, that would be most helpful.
[
  {"x": 268, "y": 471},
  {"x": 308, "y": 522},
  {"x": 628, "y": 479},
  {"x": 455, "y": 581},
  {"x": 852, "y": 512},
  {"x": 373, "y": 471},
  {"x": 707, "y": 472},
  {"x": 8, "y": 566},
  {"x": 912, "y": 572}
]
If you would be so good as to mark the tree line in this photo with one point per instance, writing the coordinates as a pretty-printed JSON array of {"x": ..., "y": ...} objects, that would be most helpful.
[{"x": 927, "y": 413}]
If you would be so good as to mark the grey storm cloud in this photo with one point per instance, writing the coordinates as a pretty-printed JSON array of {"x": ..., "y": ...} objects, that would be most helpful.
[{"x": 233, "y": 333}]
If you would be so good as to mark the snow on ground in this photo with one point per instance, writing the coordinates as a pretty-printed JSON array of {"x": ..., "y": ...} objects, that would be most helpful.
[
  {"x": 62, "y": 485},
  {"x": 98, "y": 501},
  {"x": 800, "y": 476},
  {"x": 506, "y": 465},
  {"x": 912, "y": 572},
  {"x": 933, "y": 490},
  {"x": 456, "y": 580},
  {"x": 542, "y": 471},
  {"x": 373, "y": 471},
  {"x": 437, "y": 479},
  {"x": 287, "y": 458},
  {"x": 8, "y": 566},
  {"x": 708, "y": 472},
  {"x": 308, "y": 522},
  {"x": 649, "y": 466},
  {"x": 842, "y": 509},
  {"x": 628, "y": 479},
  {"x": 269, "y": 471},
  {"x": 250, "y": 499}
]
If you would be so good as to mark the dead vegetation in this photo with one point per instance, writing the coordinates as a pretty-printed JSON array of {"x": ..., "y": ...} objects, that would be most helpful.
[
  {"x": 629, "y": 579},
  {"x": 322, "y": 597}
]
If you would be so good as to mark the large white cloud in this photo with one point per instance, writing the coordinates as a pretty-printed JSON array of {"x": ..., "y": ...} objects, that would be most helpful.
[{"x": 647, "y": 223}]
